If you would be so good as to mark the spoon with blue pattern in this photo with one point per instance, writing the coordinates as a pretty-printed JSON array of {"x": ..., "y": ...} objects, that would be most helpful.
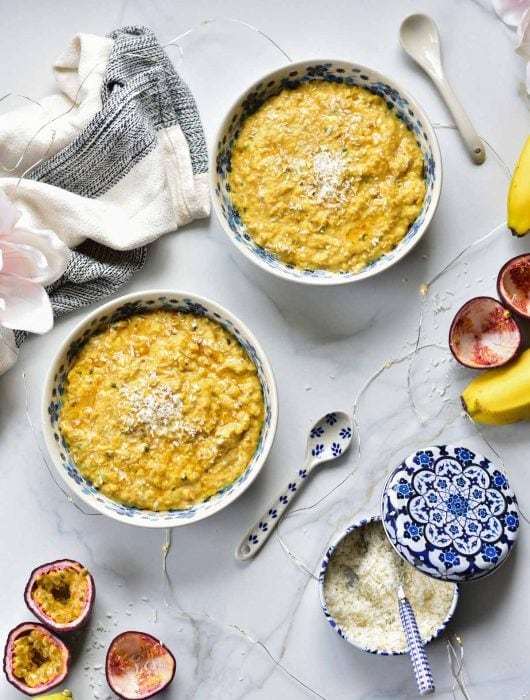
[{"x": 328, "y": 440}]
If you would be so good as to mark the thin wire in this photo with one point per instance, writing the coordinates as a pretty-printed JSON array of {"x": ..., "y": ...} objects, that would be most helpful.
[
  {"x": 501, "y": 162},
  {"x": 174, "y": 42},
  {"x": 455, "y": 653},
  {"x": 166, "y": 586},
  {"x": 167, "y": 546},
  {"x": 7, "y": 169},
  {"x": 424, "y": 290},
  {"x": 44, "y": 126},
  {"x": 455, "y": 648},
  {"x": 496, "y": 453},
  {"x": 455, "y": 657},
  {"x": 357, "y": 440}
]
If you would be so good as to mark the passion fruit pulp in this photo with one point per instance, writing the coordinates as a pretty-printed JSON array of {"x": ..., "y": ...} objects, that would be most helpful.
[
  {"x": 61, "y": 594},
  {"x": 138, "y": 666},
  {"x": 484, "y": 334},
  {"x": 35, "y": 660}
]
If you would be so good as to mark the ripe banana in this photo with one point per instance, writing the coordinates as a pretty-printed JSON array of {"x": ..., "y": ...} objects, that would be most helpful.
[
  {"x": 500, "y": 396},
  {"x": 61, "y": 695},
  {"x": 519, "y": 194}
]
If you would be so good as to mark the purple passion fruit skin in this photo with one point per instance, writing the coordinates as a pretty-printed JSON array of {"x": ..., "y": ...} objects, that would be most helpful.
[
  {"x": 35, "y": 660},
  {"x": 513, "y": 285},
  {"x": 138, "y": 666},
  {"x": 484, "y": 334},
  {"x": 61, "y": 594}
]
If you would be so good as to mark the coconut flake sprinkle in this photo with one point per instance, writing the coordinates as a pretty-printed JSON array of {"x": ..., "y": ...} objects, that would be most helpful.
[
  {"x": 154, "y": 407},
  {"x": 328, "y": 168}
]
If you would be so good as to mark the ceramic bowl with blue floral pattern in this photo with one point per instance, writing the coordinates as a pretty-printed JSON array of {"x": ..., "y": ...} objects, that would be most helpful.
[
  {"x": 124, "y": 306},
  {"x": 291, "y": 76},
  {"x": 333, "y": 622}
]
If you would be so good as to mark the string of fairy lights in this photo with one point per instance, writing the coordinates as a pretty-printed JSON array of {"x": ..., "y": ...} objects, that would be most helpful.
[{"x": 454, "y": 643}]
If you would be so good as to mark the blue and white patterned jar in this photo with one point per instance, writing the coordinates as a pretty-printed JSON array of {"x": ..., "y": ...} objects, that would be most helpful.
[{"x": 450, "y": 512}]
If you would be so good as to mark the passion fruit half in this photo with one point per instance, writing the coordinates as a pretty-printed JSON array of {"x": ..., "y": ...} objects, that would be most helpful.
[
  {"x": 35, "y": 660},
  {"x": 138, "y": 666},
  {"x": 513, "y": 285},
  {"x": 484, "y": 334},
  {"x": 61, "y": 594}
]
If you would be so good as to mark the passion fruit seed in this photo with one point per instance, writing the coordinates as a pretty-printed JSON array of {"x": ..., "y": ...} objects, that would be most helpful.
[
  {"x": 35, "y": 659},
  {"x": 61, "y": 594}
]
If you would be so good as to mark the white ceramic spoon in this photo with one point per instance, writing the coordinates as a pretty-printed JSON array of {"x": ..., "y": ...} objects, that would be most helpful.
[
  {"x": 328, "y": 439},
  {"x": 419, "y": 38}
]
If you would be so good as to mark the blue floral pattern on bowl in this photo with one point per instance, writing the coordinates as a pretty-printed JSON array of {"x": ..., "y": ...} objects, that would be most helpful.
[
  {"x": 331, "y": 620},
  {"x": 54, "y": 389},
  {"x": 450, "y": 512},
  {"x": 290, "y": 77}
]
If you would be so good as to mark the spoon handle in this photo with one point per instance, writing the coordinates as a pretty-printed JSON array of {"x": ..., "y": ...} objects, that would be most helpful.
[
  {"x": 420, "y": 663},
  {"x": 470, "y": 137},
  {"x": 259, "y": 533}
]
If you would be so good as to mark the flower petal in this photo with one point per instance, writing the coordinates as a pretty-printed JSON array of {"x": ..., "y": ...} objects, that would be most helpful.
[
  {"x": 523, "y": 32},
  {"x": 8, "y": 214},
  {"x": 8, "y": 350},
  {"x": 511, "y": 11},
  {"x": 22, "y": 260},
  {"x": 24, "y": 305},
  {"x": 55, "y": 252}
]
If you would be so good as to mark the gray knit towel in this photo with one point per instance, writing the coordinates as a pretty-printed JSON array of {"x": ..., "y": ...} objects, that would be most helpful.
[{"x": 136, "y": 170}]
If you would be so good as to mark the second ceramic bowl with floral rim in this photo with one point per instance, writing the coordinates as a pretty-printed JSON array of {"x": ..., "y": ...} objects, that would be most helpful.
[
  {"x": 136, "y": 303},
  {"x": 291, "y": 76}
]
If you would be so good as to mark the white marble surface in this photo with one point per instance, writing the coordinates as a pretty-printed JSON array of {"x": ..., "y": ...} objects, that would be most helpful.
[{"x": 323, "y": 345}]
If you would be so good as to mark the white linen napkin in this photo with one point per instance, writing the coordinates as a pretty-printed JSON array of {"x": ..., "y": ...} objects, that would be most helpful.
[{"x": 124, "y": 161}]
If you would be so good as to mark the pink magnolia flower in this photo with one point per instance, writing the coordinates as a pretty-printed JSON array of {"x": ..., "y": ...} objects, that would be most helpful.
[
  {"x": 29, "y": 259},
  {"x": 511, "y": 11},
  {"x": 523, "y": 48},
  {"x": 516, "y": 13}
]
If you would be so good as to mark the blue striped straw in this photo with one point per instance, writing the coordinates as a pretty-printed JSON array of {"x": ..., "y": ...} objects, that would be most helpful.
[{"x": 420, "y": 663}]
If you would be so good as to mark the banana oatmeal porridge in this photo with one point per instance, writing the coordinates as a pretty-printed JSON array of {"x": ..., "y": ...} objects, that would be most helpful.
[
  {"x": 326, "y": 176},
  {"x": 162, "y": 409}
]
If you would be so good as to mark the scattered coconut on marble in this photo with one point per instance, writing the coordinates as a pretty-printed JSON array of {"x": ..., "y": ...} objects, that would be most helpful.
[{"x": 360, "y": 589}]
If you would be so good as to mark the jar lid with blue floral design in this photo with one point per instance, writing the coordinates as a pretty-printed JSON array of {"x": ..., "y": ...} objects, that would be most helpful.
[{"x": 450, "y": 512}]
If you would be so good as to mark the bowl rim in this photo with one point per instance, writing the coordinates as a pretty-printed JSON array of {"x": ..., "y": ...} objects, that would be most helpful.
[
  {"x": 58, "y": 358},
  {"x": 322, "y": 574},
  {"x": 337, "y": 279}
]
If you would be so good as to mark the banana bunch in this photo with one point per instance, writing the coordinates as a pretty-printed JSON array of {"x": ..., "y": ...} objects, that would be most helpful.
[
  {"x": 500, "y": 396},
  {"x": 519, "y": 194}
]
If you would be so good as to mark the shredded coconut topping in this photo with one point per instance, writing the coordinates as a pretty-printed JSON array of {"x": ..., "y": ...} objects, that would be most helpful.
[
  {"x": 154, "y": 407},
  {"x": 327, "y": 171}
]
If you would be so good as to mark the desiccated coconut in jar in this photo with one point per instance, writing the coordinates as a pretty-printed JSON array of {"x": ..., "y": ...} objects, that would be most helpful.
[{"x": 360, "y": 590}]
